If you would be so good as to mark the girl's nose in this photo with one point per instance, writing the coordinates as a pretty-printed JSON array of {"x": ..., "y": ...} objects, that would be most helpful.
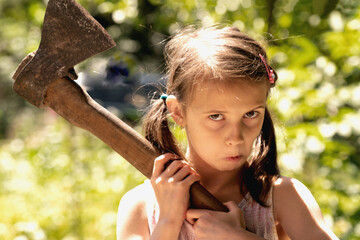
[{"x": 235, "y": 137}]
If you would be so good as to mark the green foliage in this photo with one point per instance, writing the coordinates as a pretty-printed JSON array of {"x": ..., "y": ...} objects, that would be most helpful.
[{"x": 59, "y": 182}]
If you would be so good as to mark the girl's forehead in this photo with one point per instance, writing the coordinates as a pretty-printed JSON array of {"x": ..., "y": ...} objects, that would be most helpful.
[{"x": 218, "y": 94}]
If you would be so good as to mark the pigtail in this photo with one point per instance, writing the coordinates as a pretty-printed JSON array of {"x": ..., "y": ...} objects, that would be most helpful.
[
  {"x": 263, "y": 168},
  {"x": 156, "y": 129}
]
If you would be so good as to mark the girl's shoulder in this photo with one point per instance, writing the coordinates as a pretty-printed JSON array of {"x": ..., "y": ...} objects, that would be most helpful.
[
  {"x": 286, "y": 189},
  {"x": 289, "y": 193},
  {"x": 285, "y": 184},
  {"x": 297, "y": 211}
]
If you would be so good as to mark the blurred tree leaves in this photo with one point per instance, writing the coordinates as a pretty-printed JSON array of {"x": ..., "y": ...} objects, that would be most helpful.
[{"x": 59, "y": 182}]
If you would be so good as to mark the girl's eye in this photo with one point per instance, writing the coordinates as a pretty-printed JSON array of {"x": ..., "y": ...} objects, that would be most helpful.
[
  {"x": 216, "y": 117},
  {"x": 251, "y": 114}
]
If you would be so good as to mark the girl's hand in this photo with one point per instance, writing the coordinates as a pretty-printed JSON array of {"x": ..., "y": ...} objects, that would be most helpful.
[
  {"x": 217, "y": 225},
  {"x": 171, "y": 185}
]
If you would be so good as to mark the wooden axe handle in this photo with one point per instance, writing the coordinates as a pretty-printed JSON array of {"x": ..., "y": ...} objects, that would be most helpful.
[{"x": 70, "y": 101}]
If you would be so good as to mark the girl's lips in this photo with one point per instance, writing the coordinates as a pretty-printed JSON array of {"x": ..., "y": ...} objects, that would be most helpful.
[{"x": 234, "y": 158}]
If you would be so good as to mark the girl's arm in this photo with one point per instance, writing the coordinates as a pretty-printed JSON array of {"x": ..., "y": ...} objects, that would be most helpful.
[{"x": 298, "y": 212}]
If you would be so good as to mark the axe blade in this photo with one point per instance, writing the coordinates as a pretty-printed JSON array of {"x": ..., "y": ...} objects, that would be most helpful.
[{"x": 69, "y": 36}]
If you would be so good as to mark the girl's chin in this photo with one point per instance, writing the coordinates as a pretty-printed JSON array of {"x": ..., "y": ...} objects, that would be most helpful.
[
  {"x": 230, "y": 164},
  {"x": 221, "y": 164}
]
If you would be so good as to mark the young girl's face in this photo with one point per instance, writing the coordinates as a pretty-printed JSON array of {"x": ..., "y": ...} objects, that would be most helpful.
[{"x": 222, "y": 121}]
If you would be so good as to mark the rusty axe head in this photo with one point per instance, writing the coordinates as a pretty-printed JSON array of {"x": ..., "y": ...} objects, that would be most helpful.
[{"x": 69, "y": 36}]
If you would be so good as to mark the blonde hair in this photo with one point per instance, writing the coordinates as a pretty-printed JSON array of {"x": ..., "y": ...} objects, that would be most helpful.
[{"x": 215, "y": 54}]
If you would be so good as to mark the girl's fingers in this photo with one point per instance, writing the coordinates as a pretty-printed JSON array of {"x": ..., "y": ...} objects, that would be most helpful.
[
  {"x": 193, "y": 214},
  {"x": 172, "y": 168},
  {"x": 169, "y": 166},
  {"x": 237, "y": 213},
  {"x": 159, "y": 163},
  {"x": 181, "y": 172},
  {"x": 169, "y": 172},
  {"x": 233, "y": 207},
  {"x": 192, "y": 178}
]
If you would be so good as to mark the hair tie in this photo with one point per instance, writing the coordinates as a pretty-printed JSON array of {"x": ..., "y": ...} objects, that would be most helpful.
[
  {"x": 164, "y": 97},
  {"x": 270, "y": 72}
]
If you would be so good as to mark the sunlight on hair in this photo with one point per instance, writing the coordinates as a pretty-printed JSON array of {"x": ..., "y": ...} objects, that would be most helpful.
[{"x": 206, "y": 50}]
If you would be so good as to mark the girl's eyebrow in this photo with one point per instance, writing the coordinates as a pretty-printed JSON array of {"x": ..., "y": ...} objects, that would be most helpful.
[
  {"x": 224, "y": 111},
  {"x": 260, "y": 106},
  {"x": 214, "y": 112},
  {"x": 257, "y": 107}
]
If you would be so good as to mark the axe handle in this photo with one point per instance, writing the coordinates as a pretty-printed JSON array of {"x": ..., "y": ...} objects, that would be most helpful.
[{"x": 70, "y": 101}]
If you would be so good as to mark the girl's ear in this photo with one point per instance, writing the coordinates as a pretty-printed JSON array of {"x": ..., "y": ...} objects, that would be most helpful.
[{"x": 176, "y": 110}]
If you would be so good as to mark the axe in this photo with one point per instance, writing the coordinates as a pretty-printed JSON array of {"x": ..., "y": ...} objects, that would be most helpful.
[{"x": 45, "y": 79}]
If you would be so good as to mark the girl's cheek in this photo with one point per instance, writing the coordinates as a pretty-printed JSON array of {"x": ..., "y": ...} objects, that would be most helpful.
[
  {"x": 252, "y": 130},
  {"x": 214, "y": 125},
  {"x": 253, "y": 123}
]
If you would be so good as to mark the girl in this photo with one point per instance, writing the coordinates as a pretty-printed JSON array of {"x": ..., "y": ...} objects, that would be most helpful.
[{"x": 218, "y": 84}]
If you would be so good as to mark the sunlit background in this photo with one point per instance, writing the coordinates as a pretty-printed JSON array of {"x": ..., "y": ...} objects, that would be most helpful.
[{"x": 60, "y": 182}]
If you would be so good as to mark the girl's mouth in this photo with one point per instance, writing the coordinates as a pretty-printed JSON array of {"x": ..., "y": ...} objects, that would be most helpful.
[{"x": 234, "y": 158}]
